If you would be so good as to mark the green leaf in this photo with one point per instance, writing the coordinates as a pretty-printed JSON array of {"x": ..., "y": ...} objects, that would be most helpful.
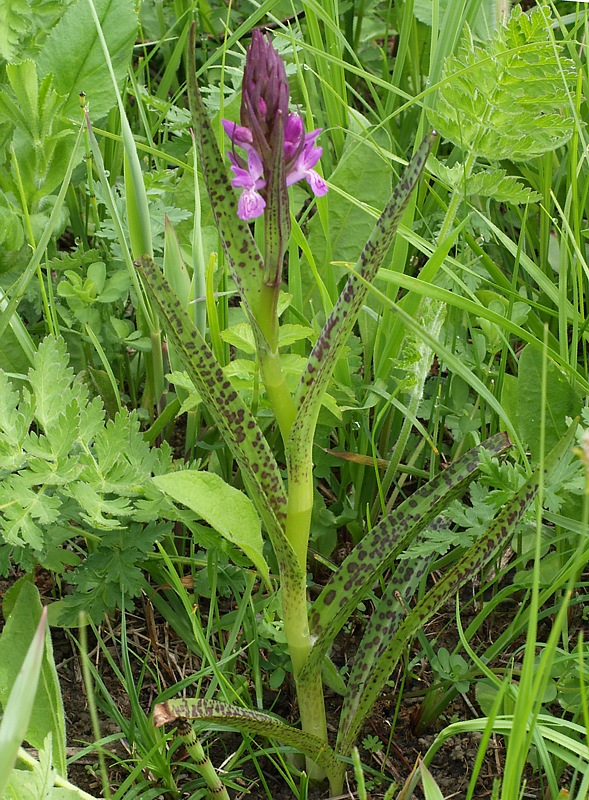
[
  {"x": 226, "y": 509},
  {"x": 488, "y": 15},
  {"x": 344, "y": 314},
  {"x": 363, "y": 174},
  {"x": 431, "y": 789},
  {"x": 249, "y": 721},
  {"x": 525, "y": 394},
  {"x": 495, "y": 183},
  {"x": 15, "y": 21},
  {"x": 234, "y": 419},
  {"x": 51, "y": 378},
  {"x": 13, "y": 424},
  {"x": 382, "y": 544},
  {"x": 73, "y": 55},
  {"x": 19, "y": 706},
  {"x": 41, "y": 140},
  {"x": 362, "y": 695},
  {"x": 47, "y": 716},
  {"x": 504, "y": 99}
]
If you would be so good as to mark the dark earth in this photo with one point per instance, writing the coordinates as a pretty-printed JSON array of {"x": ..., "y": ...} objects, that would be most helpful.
[{"x": 392, "y": 762}]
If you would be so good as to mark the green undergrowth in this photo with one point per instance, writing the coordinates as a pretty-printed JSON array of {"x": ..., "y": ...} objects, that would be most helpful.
[{"x": 126, "y": 491}]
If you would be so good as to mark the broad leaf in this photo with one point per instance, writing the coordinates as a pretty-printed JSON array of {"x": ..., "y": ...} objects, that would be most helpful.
[
  {"x": 362, "y": 695},
  {"x": 226, "y": 509},
  {"x": 524, "y": 395},
  {"x": 73, "y": 55},
  {"x": 382, "y": 544},
  {"x": 249, "y": 721},
  {"x": 363, "y": 176},
  {"x": 38, "y": 781}
]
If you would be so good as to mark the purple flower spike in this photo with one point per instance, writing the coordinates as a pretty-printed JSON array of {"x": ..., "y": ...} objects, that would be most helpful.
[{"x": 266, "y": 126}]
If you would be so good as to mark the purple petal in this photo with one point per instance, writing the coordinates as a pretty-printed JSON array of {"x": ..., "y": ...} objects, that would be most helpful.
[
  {"x": 316, "y": 183},
  {"x": 250, "y": 205},
  {"x": 239, "y": 135},
  {"x": 303, "y": 167},
  {"x": 293, "y": 130}
]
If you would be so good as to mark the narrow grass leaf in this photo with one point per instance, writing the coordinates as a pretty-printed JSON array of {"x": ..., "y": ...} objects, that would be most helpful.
[
  {"x": 383, "y": 543},
  {"x": 362, "y": 695},
  {"x": 423, "y": 288},
  {"x": 48, "y": 715},
  {"x": 248, "y": 721},
  {"x": 431, "y": 789}
]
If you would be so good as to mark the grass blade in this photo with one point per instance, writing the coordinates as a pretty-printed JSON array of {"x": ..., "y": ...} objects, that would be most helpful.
[{"x": 20, "y": 704}]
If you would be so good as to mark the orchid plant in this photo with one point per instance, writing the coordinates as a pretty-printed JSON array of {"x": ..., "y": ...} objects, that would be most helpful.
[{"x": 269, "y": 152}]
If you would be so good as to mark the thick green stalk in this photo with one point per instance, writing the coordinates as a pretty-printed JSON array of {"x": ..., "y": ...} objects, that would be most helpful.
[
  {"x": 296, "y": 621},
  {"x": 310, "y": 695},
  {"x": 277, "y": 391}
]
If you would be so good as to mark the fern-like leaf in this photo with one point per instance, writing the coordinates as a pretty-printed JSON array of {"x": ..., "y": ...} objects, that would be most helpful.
[
  {"x": 504, "y": 100},
  {"x": 15, "y": 22},
  {"x": 495, "y": 183}
]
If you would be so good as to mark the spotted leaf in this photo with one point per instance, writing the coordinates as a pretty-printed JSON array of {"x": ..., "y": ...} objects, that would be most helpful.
[
  {"x": 234, "y": 419},
  {"x": 248, "y": 721},
  {"x": 356, "y": 576},
  {"x": 371, "y": 676}
]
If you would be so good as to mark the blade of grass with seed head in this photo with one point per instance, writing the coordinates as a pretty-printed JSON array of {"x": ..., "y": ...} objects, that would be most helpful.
[
  {"x": 371, "y": 677},
  {"x": 383, "y": 543}
]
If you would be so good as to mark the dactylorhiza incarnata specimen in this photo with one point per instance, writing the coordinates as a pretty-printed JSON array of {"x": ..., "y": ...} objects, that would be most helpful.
[{"x": 277, "y": 150}]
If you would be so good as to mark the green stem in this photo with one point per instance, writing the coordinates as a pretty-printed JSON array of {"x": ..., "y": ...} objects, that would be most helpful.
[
  {"x": 457, "y": 196},
  {"x": 202, "y": 762},
  {"x": 277, "y": 391},
  {"x": 294, "y": 598},
  {"x": 309, "y": 695}
]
